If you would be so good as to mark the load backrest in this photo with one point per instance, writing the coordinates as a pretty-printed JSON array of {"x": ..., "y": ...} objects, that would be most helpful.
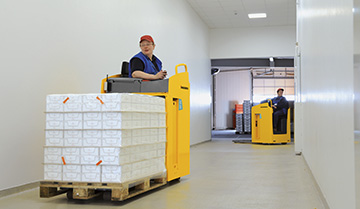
[{"x": 125, "y": 69}]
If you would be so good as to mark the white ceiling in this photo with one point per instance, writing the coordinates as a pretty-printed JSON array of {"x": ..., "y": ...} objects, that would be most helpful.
[{"x": 234, "y": 13}]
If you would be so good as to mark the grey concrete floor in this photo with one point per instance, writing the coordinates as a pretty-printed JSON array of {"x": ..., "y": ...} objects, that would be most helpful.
[{"x": 223, "y": 175}]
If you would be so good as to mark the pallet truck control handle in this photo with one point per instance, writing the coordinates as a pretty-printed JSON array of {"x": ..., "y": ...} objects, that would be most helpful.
[{"x": 182, "y": 64}]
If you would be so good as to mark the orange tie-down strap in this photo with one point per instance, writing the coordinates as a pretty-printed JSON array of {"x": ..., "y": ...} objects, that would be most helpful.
[
  {"x": 100, "y": 100},
  {"x": 66, "y": 100},
  {"x": 63, "y": 159}
]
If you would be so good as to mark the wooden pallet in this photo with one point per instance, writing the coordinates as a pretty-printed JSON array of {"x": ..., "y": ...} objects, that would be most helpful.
[{"x": 117, "y": 191}]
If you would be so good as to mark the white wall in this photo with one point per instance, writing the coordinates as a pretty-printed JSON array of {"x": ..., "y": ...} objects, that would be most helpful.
[
  {"x": 252, "y": 42},
  {"x": 327, "y": 87},
  {"x": 68, "y": 47},
  {"x": 357, "y": 97}
]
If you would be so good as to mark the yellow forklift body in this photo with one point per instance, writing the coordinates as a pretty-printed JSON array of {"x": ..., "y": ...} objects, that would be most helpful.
[
  {"x": 262, "y": 126},
  {"x": 177, "y": 104}
]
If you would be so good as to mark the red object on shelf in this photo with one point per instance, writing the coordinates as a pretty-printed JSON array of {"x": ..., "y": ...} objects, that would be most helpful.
[{"x": 239, "y": 109}]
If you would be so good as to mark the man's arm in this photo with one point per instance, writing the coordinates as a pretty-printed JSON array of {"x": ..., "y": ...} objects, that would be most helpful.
[{"x": 140, "y": 74}]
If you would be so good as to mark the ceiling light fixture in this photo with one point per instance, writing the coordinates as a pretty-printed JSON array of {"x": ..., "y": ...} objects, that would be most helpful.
[{"x": 257, "y": 15}]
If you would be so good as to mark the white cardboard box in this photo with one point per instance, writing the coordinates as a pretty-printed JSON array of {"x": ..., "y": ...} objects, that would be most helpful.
[
  {"x": 93, "y": 124},
  {"x": 73, "y": 116},
  {"x": 55, "y": 98},
  {"x": 92, "y": 116},
  {"x": 92, "y": 142},
  {"x": 90, "y": 173},
  {"x": 57, "y": 125},
  {"x": 72, "y": 159},
  {"x": 91, "y": 177},
  {"x": 73, "y": 142},
  {"x": 75, "y": 124},
  {"x": 54, "y": 134},
  {"x": 72, "y": 107},
  {"x": 89, "y": 159},
  {"x": 73, "y": 134},
  {"x": 70, "y": 151},
  {"x": 53, "y": 172},
  {"x": 108, "y": 142},
  {"x": 71, "y": 168},
  {"x": 55, "y": 159},
  {"x": 90, "y": 151},
  {"x": 115, "y": 173},
  {"x": 54, "y": 116},
  {"x": 89, "y": 107},
  {"x": 71, "y": 176},
  {"x": 52, "y": 151},
  {"x": 54, "y": 142},
  {"x": 92, "y": 133}
]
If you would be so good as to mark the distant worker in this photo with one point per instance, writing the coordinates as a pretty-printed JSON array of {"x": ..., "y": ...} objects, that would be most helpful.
[
  {"x": 280, "y": 107},
  {"x": 145, "y": 64}
]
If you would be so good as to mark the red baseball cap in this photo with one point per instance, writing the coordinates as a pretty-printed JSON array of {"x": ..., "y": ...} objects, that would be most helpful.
[
  {"x": 147, "y": 38},
  {"x": 280, "y": 89}
]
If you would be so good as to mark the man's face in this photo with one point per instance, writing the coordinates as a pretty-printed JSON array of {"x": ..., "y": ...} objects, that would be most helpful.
[
  {"x": 147, "y": 48},
  {"x": 280, "y": 93}
]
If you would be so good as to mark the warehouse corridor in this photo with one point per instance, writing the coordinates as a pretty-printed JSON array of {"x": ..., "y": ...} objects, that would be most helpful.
[{"x": 223, "y": 175}]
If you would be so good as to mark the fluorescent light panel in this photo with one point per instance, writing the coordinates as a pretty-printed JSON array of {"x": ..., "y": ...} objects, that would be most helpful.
[{"x": 257, "y": 15}]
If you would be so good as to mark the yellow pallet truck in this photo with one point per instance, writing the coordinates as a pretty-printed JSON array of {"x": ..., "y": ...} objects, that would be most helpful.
[
  {"x": 262, "y": 130},
  {"x": 262, "y": 125}
]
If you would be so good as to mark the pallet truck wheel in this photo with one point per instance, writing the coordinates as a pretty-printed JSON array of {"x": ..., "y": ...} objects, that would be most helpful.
[
  {"x": 69, "y": 194},
  {"x": 107, "y": 195}
]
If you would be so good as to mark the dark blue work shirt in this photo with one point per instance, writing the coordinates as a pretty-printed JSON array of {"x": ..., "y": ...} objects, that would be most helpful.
[{"x": 281, "y": 104}]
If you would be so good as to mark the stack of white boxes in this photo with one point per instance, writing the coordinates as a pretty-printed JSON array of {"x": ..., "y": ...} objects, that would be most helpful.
[{"x": 104, "y": 137}]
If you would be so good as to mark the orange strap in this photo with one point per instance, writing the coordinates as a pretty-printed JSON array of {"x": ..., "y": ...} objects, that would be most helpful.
[
  {"x": 98, "y": 163},
  {"x": 100, "y": 100},
  {"x": 66, "y": 100},
  {"x": 63, "y": 159}
]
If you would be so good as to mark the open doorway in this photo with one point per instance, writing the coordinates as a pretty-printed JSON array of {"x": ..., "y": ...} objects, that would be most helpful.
[{"x": 235, "y": 83}]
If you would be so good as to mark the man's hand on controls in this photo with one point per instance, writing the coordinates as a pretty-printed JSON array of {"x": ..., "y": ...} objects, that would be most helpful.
[{"x": 161, "y": 74}]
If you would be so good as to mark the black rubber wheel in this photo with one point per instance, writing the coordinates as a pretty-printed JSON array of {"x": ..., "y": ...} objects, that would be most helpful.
[
  {"x": 69, "y": 194},
  {"x": 107, "y": 195}
]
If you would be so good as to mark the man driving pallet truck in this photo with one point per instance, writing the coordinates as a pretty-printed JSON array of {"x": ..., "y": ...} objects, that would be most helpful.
[
  {"x": 270, "y": 121},
  {"x": 176, "y": 91}
]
